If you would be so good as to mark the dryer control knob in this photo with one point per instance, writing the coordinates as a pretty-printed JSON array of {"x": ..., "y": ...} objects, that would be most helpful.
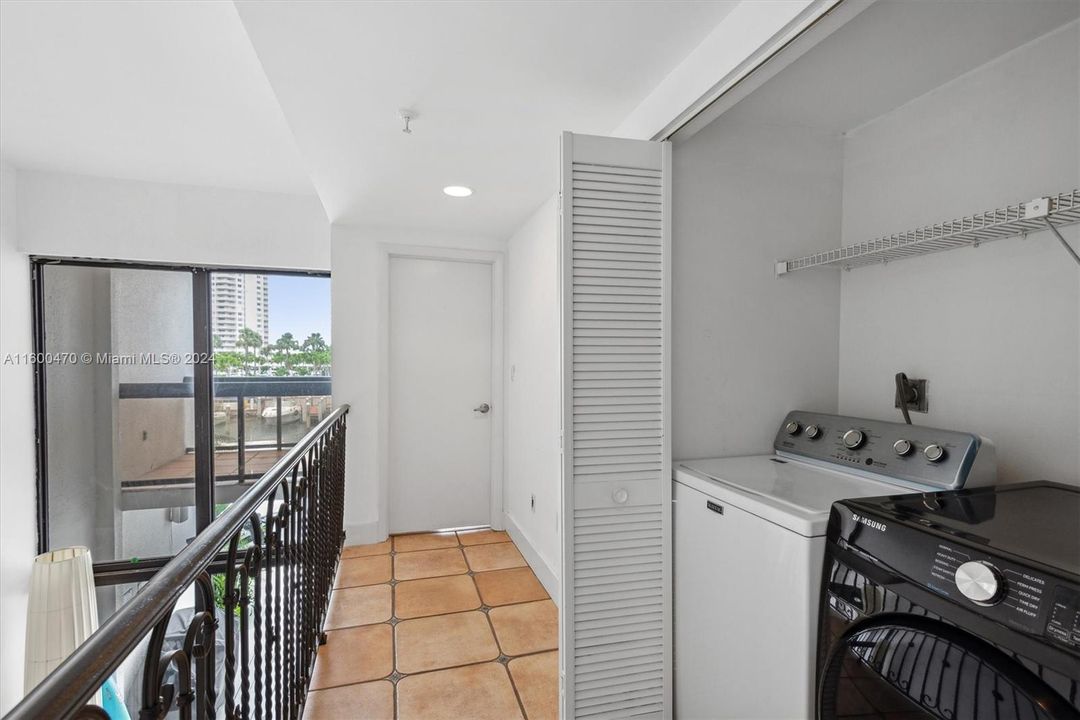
[
  {"x": 934, "y": 452},
  {"x": 980, "y": 582},
  {"x": 813, "y": 432},
  {"x": 902, "y": 447},
  {"x": 792, "y": 428},
  {"x": 854, "y": 439}
]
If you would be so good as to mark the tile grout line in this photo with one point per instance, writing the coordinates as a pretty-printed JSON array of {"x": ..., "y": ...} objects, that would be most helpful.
[
  {"x": 396, "y": 675},
  {"x": 510, "y": 658},
  {"x": 387, "y": 678},
  {"x": 425, "y": 617},
  {"x": 502, "y": 654},
  {"x": 394, "y": 682},
  {"x": 393, "y": 600},
  {"x": 435, "y": 670},
  {"x": 393, "y": 641}
]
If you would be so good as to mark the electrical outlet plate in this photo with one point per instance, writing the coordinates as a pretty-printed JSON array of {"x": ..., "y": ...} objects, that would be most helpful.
[{"x": 921, "y": 405}]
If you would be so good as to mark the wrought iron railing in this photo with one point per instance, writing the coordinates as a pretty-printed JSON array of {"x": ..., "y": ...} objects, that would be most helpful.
[{"x": 277, "y": 548}]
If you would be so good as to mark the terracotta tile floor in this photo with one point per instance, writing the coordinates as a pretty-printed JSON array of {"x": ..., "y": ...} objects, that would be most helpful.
[{"x": 435, "y": 626}]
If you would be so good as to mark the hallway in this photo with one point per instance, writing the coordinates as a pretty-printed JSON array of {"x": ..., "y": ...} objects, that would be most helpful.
[{"x": 437, "y": 625}]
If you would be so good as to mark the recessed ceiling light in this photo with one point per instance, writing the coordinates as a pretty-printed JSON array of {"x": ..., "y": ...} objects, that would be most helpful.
[{"x": 457, "y": 191}]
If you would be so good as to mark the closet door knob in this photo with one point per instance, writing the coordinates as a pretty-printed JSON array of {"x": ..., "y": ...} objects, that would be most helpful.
[{"x": 620, "y": 496}]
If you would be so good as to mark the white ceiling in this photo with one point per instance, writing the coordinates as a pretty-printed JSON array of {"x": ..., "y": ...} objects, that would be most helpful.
[
  {"x": 493, "y": 85},
  {"x": 303, "y": 96},
  {"x": 894, "y": 52},
  {"x": 159, "y": 91}
]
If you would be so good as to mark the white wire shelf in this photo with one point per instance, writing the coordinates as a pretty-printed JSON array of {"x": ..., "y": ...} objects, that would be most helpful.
[{"x": 1011, "y": 221}]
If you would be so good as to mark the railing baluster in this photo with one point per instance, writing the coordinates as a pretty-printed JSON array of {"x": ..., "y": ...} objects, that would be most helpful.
[
  {"x": 277, "y": 591},
  {"x": 279, "y": 586},
  {"x": 310, "y": 584},
  {"x": 307, "y": 589},
  {"x": 294, "y": 592},
  {"x": 249, "y": 619},
  {"x": 231, "y": 602},
  {"x": 255, "y": 707},
  {"x": 206, "y": 667},
  {"x": 240, "y": 709},
  {"x": 289, "y": 596},
  {"x": 300, "y": 627}
]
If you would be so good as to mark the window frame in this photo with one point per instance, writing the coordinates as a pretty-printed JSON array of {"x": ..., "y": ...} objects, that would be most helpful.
[{"x": 202, "y": 345}]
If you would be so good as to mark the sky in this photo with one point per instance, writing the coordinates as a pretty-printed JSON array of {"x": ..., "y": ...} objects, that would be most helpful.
[{"x": 299, "y": 305}]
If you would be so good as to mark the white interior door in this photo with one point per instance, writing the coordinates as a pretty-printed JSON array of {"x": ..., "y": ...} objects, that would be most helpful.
[{"x": 440, "y": 373}]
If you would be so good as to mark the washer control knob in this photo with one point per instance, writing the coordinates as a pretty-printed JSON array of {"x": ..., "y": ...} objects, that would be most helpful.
[
  {"x": 792, "y": 428},
  {"x": 854, "y": 439},
  {"x": 813, "y": 432},
  {"x": 980, "y": 582},
  {"x": 934, "y": 452},
  {"x": 902, "y": 447}
]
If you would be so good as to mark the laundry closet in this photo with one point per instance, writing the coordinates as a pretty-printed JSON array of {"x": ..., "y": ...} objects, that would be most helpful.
[
  {"x": 911, "y": 134},
  {"x": 832, "y": 229},
  {"x": 911, "y": 114}
]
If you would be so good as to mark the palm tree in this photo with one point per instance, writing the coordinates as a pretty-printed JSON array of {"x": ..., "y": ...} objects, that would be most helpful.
[
  {"x": 314, "y": 343},
  {"x": 250, "y": 341},
  {"x": 287, "y": 345}
]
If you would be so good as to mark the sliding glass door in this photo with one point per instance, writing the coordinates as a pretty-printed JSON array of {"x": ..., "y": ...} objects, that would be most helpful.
[
  {"x": 270, "y": 334},
  {"x": 164, "y": 393},
  {"x": 119, "y": 411}
]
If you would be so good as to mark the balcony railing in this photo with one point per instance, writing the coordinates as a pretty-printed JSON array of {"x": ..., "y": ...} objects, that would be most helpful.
[
  {"x": 277, "y": 547},
  {"x": 277, "y": 408}
]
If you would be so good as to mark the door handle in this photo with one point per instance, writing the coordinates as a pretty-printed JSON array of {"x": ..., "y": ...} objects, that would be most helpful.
[{"x": 484, "y": 409}]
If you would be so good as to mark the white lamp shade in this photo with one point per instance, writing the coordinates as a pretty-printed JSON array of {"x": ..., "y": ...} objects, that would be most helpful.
[{"x": 62, "y": 610}]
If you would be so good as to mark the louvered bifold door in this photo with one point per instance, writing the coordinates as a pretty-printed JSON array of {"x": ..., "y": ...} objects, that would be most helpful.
[{"x": 615, "y": 620}]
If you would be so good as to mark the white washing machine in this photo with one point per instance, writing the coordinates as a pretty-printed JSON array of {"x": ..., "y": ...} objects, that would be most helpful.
[{"x": 750, "y": 541}]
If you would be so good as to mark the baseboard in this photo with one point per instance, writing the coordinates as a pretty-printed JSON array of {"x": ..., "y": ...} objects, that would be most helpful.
[
  {"x": 363, "y": 534},
  {"x": 544, "y": 572}
]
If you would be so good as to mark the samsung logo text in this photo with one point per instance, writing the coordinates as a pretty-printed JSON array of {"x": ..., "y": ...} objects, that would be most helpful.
[{"x": 859, "y": 519}]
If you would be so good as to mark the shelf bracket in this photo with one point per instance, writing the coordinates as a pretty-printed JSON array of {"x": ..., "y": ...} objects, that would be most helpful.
[{"x": 1064, "y": 243}]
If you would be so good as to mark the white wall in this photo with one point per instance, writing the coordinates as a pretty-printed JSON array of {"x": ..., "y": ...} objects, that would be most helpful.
[
  {"x": 18, "y": 494},
  {"x": 357, "y": 283},
  {"x": 995, "y": 329},
  {"x": 533, "y": 455},
  {"x": 748, "y": 347},
  {"x": 73, "y": 215},
  {"x": 752, "y": 30},
  {"x": 82, "y": 216},
  {"x": 533, "y": 465}
]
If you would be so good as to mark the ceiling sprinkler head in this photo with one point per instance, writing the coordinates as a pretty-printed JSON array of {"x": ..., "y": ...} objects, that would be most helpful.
[{"x": 406, "y": 116}]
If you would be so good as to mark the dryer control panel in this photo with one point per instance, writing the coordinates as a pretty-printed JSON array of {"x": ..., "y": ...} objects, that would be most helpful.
[
  {"x": 922, "y": 456},
  {"x": 999, "y": 588},
  {"x": 1063, "y": 624}
]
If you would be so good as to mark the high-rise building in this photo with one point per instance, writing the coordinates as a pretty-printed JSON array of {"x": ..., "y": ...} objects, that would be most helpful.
[{"x": 239, "y": 300}]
